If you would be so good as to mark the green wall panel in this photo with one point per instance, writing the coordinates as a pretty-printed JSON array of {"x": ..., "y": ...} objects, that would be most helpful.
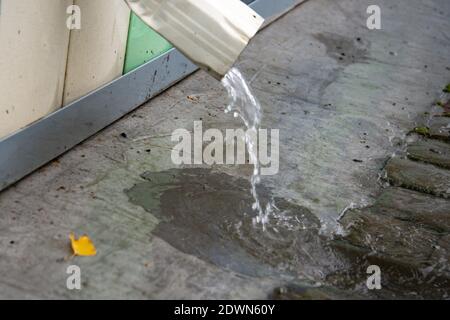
[{"x": 143, "y": 44}]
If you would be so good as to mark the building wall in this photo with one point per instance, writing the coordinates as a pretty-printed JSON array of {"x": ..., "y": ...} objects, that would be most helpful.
[
  {"x": 33, "y": 54},
  {"x": 97, "y": 50}
]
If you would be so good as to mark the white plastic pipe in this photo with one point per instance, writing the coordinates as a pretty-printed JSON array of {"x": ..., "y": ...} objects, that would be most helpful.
[{"x": 212, "y": 33}]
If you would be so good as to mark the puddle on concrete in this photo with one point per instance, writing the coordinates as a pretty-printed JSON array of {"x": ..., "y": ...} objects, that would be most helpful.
[{"x": 209, "y": 215}]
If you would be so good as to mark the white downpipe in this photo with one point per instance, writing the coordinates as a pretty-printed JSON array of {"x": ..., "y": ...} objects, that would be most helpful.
[{"x": 212, "y": 33}]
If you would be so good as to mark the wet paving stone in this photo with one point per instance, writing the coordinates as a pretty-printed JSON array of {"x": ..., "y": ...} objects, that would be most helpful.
[
  {"x": 412, "y": 206},
  {"x": 419, "y": 176},
  {"x": 430, "y": 151},
  {"x": 406, "y": 230},
  {"x": 413, "y": 259},
  {"x": 387, "y": 239},
  {"x": 440, "y": 259},
  {"x": 439, "y": 128}
]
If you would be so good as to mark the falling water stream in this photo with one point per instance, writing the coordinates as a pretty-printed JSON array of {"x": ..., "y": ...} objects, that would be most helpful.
[{"x": 243, "y": 104}]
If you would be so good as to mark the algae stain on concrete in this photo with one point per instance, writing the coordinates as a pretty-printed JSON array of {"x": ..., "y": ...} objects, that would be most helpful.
[
  {"x": 208, "y": 215},
  {"x": 344, "y": 50}
]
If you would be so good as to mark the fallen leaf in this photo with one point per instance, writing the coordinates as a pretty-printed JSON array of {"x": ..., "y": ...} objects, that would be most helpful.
[{"x": 82, "y": 246}]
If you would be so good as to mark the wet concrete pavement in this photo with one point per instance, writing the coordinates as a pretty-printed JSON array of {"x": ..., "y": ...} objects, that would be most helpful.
[{"x": 344, "y": 98}]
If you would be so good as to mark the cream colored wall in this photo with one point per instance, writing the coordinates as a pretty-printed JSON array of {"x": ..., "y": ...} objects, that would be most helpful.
[
  {"x": 33, "y": 55},
  {"x": 97, "y": 51}
]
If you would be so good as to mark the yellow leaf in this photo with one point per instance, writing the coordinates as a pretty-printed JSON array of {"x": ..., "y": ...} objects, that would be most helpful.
[{"x": 83, "y": 246}]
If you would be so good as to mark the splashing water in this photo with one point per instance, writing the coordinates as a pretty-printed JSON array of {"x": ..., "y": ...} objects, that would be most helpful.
[{"x": 243, "y": 104}]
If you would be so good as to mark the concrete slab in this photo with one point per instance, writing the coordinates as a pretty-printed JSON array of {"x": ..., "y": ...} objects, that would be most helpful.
[{"x": 343, "y": 98}]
